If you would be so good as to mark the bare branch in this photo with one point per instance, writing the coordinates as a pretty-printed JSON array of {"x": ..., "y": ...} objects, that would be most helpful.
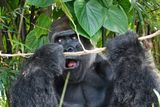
[
  {"x": 16, "y": 55},
  {"x": 96, "y": 50},
  {"x": 149, "y": 36}
]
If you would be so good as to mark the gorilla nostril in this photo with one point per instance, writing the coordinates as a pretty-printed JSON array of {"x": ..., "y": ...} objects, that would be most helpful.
[{"x": 69, "y": 49}]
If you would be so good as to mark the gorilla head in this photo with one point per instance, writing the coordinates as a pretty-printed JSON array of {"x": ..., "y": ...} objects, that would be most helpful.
[{"x": 62, "y": 34}]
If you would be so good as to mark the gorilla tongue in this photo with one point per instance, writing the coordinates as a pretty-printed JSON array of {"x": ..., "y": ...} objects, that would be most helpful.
[{"x": 71, "y": 64}]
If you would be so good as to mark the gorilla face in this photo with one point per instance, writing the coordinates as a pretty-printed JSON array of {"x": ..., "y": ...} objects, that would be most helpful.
[
  {"x": 77, "y": 65},
  {"x": 62, "y": 34}
]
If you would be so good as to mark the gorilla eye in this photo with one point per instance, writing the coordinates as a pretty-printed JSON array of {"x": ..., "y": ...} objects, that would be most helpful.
[
  {"x": 74, "y": 37},
  {"x": 59, "y": 40}
]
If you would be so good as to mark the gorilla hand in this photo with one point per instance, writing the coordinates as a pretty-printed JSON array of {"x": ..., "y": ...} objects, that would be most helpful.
[
  {"x": 50, "y": 58},
  {"x": 134, "y": 80},
  {"x": 34, "y": 87},
  {"x": 125, "y": 45}
]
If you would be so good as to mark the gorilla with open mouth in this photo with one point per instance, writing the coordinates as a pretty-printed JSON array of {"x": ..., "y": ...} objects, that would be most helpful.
[{"x": 120, "y": 78}]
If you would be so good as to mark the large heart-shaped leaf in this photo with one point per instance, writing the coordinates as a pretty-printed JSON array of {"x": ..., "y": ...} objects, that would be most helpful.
[
  {"x": 43, "y": 3},
  {"x": 40, "y": 3},
  {"x": 90, "y": 15},
  {"x": 116, "y": 19}
]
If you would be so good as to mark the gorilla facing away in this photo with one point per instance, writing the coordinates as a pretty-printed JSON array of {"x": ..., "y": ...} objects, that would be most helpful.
[{"x": 122, "y": 78}]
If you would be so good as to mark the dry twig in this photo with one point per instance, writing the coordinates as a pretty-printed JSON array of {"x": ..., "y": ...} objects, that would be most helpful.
[
  {"x": 96, "y": 50},
  {"x": 149, "y": 36},
  {"x": 16, "y": 55}
]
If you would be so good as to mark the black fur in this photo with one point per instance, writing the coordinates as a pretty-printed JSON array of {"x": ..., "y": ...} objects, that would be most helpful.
[
  {"x": 122, "y": 79},
  {"x": 34, "y": 87},
  {"x": 133, "y": 79}
]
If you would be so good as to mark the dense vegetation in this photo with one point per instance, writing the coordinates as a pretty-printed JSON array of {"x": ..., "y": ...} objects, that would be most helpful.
[{"x": 24, "y": 26}]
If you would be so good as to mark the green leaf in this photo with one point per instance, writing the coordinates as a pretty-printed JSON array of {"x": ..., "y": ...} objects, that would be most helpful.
[
  {"x": 38, "y": 36},
  {"x": 116, "y": 19},
  {"x": 107, "y": 3},
  {"x": 43, "y": 24},
  {"x": 80, "y": 30},
  {"x": 125, "y": 4},
  {"x": 67, "y": 0},
  {"x": 40, "y": 3},
  {"x": 90, "y": 15},
  {"x": 34, "y": 43},
  {"x": 96, "y": 37},
  {"x": 13, "y": 3}
]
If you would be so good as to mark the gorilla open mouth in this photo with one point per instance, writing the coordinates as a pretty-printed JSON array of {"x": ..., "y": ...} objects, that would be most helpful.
[{"x": 71, "y": 63}]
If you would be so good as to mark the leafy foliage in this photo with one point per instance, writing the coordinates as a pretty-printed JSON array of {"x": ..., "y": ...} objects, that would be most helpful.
[
  {"x": 38, "y": 36},
  {"x": 89, "y": 16},
  {"x": 93, "y": 14}
]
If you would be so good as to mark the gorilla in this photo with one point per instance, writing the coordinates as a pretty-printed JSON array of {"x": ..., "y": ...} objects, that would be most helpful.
[
  {"x": 120, "y": 78},
  {"x": 134, "y": 78}
]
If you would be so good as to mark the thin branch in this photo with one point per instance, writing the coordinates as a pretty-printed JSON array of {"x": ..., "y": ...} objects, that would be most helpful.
[
  {"x": 16, "y": 55},
  {"x": 96, "y": 50},
  {"x": 85, "y": 52},
  {"x": 20, "y": 24},
  {"x": 149, "y": 36},
  {"x": 64, "y": 89}
]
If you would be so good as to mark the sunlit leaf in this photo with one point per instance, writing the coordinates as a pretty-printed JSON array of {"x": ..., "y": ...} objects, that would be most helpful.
[
  {"x": 40, "y": 3},
  {"x": 36, "y": 37},
  {"x": 90, "y": 15},
  {"x": 107, "y": 3},
  {"x": 34, "y": 42},
  {"x": 116, "y": 19}
]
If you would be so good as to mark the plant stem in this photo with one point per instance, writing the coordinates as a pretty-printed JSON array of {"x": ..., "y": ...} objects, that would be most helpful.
[{"x": 64, "y": 90}]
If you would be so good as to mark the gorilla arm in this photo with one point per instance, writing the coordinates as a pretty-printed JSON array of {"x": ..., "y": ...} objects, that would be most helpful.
[
  {"x": 34, "y": 87},
  {"x": 133, "y": 78}
]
